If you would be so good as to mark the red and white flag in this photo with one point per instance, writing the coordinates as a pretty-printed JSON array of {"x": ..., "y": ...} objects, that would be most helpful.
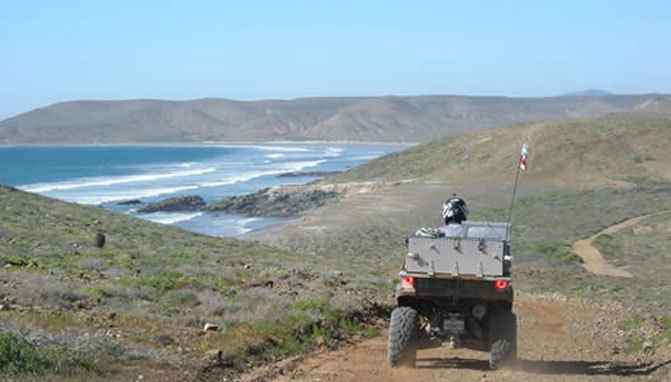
[{"x": 523, "y": 157}]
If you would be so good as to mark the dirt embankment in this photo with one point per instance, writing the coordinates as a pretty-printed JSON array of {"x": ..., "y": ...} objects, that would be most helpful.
[{"x": 559, "y": 340}]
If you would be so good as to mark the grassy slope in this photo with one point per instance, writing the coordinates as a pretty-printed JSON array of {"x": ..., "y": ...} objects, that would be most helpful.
[
  {"x": 579, "y": 154},
  {"x": 583, "y": 176},
  {"x": 145, "y": 296}
]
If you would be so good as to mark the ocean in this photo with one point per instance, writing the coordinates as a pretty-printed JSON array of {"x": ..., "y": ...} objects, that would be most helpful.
[{"x": 108, "y": 175}]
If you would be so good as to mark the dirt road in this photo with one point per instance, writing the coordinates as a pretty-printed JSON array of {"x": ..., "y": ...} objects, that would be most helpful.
[
  {"x": 592, "y": 259},
  {"x": 558, "y": 341}
]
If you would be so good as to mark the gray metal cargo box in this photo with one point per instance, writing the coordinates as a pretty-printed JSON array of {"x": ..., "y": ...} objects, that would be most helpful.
[{"x": 478, "y": 252}]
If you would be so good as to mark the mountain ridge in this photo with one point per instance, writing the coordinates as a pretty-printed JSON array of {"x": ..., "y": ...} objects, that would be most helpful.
[
  {"x": 385, "y": 118},
  {"x": 588, "y": 93}
]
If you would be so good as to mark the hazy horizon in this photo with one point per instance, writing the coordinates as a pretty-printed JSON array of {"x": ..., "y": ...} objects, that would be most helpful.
[{"x": 264, "y": 50}]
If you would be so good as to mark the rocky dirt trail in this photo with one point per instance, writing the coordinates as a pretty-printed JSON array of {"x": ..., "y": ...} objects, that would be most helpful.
[
  {"x": 592, "y": 259},
  {"x": 559, "y": 340}
]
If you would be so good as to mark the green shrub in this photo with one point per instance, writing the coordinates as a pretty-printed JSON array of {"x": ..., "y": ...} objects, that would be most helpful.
[
  {"x": 163, "y": 282},
  {"x": 560, "y": 251},
  {"x": 631, "y": 323},
  {"x": 633, "y": 345},
  {"x": 307, "y": 304},
  {"x": 29, "y": 263},
  {"x": 370, "y": 332},
  {"x": 665, "y": 322},
  {"x": 319, "y": 331},
  {"x": 349, "y": 326},
  {"x": 605, "y": 244},
  {"x": 19, "y": 356}
]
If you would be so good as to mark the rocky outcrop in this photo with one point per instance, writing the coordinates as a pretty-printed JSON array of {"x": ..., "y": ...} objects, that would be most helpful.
[
  {"x": 132, "y": 202},
  {"x": 179, "y": 203},
  {"x": 275, "y": 202},
  {"x": 282, "y": 201}
]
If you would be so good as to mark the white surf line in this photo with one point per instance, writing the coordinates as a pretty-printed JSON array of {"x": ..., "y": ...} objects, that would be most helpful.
[
  {"x": 592, "y": 259},
  {"x": 110, "y": 181}
]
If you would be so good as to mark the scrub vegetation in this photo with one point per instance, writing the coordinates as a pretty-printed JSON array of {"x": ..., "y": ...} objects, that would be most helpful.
[{"x": 169, "y": 304}]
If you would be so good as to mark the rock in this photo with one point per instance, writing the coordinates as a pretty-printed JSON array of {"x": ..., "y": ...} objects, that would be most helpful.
[
  {"x": 165, "y": 340},
  {"x": 210, "y": 327},
  {"x": 131, "y": 202},
  {"x": 647, "y": 345},
  {"x": 99, "y": 240},
  {"x": 277, "y": 202},
  {"x": 176, "y": 204},
  {"x": 214, "y": 355}
]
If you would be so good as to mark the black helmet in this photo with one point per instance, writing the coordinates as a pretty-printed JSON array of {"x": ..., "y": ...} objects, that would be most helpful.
[{"x": 455, "y": 210}]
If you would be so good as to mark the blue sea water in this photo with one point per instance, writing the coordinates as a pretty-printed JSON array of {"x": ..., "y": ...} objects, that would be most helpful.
[{"x": 107, "y": 175}]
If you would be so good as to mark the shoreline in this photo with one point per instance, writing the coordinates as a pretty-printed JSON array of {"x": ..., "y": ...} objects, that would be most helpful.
[{"x": 289, "y": 178}]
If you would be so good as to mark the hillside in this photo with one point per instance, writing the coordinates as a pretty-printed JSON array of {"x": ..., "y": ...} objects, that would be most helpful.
[
  {"x": 580, "y": 154},
  {"x": 583, "y": 176},
  {"x": 412, "y": 119},
  {"x": 155, "y": 300}
]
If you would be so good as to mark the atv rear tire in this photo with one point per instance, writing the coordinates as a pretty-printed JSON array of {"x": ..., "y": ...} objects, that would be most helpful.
[
  {"x": 403, "y": 333},
  {"x": 502, "y": 339}
]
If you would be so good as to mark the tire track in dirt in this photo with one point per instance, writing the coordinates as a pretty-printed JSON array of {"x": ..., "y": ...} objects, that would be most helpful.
[
  {"x": 592, "y": 259},
  {"x": 558, "y": 340}
]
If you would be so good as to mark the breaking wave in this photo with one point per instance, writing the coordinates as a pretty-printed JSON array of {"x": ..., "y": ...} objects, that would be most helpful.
[
  {"x": 169, "y": 218},
  {"x": 107, "y": 196},
  {"x": 110, "y": 181}
]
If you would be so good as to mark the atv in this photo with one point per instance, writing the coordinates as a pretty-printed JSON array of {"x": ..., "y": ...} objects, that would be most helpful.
[{"x": 456, "y": 291}]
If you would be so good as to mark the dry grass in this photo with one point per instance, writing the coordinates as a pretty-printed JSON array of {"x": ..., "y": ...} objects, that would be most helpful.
[
  {"x": 580, "y": 154},
  {"x": 148, "y": 292}
]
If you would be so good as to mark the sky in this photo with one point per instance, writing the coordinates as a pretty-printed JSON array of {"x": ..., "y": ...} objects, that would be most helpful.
[{"x": 53, "y": 51}]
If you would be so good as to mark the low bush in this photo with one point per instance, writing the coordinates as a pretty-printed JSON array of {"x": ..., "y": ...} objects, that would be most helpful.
[
  {"x": 163, "y": 281},
  {"x": 605, "y": 244},
  {"x": 20, "y": 356},
  {"x": 559, "y": 251}
]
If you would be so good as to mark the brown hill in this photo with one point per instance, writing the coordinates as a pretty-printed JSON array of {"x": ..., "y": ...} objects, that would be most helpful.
[
  {"x": 606, "y": 151},
  {"x": 414, "y": 119}
]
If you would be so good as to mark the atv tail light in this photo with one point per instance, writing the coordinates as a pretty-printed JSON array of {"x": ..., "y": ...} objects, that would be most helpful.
[
  {"x": 407, "y": 282},
  {"x": 501, "y": 285}
]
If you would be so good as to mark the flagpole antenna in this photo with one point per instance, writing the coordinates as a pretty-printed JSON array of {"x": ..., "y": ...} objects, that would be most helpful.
[{"x": 521, "y": 164}]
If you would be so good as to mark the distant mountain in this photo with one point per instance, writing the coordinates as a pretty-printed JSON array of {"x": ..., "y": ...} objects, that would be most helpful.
[
  {"x": 413, "y": 119},
  {"x": 588, "y": 93}
]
